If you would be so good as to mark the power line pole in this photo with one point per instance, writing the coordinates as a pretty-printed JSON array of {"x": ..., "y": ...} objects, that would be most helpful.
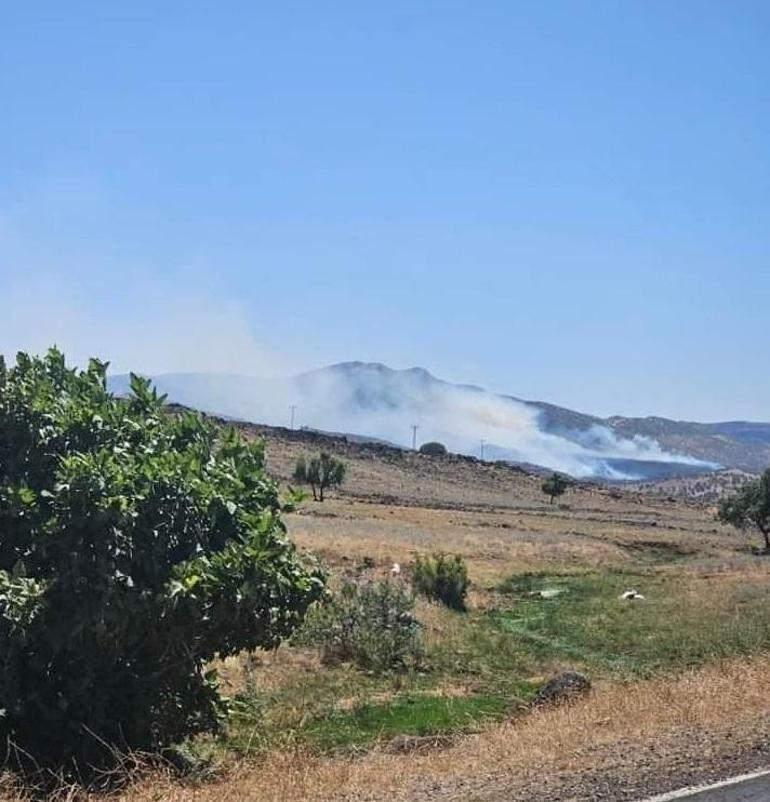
[
  {"x": 483, "y": 443},
  {"x": 415, "y": 427},
  {"x": 293, "y": 408}
]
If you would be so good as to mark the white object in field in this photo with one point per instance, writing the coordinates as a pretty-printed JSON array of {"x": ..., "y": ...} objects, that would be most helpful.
[
  {"x": 631, "y": 595},
  {"x": 395, "y": 569},
  {"x": 546, "y": 593}
]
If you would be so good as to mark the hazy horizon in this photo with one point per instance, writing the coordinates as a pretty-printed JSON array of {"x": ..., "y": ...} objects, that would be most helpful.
[{"x": 323, "y": 368}]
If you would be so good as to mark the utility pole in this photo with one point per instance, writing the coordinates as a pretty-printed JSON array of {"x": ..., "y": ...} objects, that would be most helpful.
[
  {"x": 483, "y": 443},
  {"x": 415, "y": 427},
  {"x": 293, "y": 408}
]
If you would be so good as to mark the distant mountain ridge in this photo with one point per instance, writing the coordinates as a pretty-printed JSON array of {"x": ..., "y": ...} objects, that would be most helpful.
[
  {"x": 373, "y": 400},
  {"x": 743, "y": 445}
]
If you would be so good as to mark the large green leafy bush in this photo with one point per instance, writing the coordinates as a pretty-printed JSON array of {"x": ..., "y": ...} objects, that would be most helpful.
[{"x": 135, "y": 546}]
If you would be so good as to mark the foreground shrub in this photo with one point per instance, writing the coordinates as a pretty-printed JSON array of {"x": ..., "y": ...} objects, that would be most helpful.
[
  {"x": 443, "y": 578},
  {"x": 371, "y": 624},
  {"x": 134, "y": 548}
]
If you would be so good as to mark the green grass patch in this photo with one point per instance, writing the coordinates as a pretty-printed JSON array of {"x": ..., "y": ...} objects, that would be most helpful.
[
  {"x": 676, "y": 626},
  {"x": 410, "y": 715},
  {"x": 484, "y": 654},
  {"x": 339, "y": 706}
]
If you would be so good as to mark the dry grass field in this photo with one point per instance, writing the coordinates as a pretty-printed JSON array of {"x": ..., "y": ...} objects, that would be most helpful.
[
  {"x": 396, "y": 504},
  {"x": 622, "y": 743},
  {"x": 681, "y": 686}
]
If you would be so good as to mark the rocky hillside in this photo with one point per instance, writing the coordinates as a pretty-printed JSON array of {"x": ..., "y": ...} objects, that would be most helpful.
[
  {"x": 707, "y": 488},
  {"x": 734, "y": 444}
]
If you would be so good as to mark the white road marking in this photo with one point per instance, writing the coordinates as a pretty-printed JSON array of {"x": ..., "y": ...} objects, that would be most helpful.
[{"x": 684, "y": 793}]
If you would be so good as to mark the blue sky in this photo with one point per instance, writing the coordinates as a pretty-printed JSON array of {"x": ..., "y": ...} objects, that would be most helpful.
[{"x": 567, "y": 201}]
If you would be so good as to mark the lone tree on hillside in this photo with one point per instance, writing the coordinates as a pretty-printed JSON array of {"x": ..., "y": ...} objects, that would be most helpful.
[
  {"x": 555, "y": 485},
  {"x": 433, "y": 449},
  {"x": 321, "y": 472},
  {"x": 135, "y": 547},
  {"x": 749, "y": 508}
]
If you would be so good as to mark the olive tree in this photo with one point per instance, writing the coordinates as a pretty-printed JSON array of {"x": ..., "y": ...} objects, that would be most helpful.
[
  {"x": 321, "y": 472},
  {"x": 135, "y": 546},
  {"x": 749, "y": 508}
]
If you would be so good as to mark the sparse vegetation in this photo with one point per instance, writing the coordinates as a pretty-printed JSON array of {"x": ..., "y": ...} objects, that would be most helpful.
[
  {"x": 321, "y": 473},
  {"x": 479, "y": 667},
  {"x": 369, "y": 623},
  {"x": 442, "y": 577},
  {"x": 555, "y": 485},
  {"x": 136, "y": 546},
  {"x": 749, "y": 508},
  {"x": 433, "y": 449},
  {"x": 482, "y": 666},
  {"x": 358, "y": 675}
]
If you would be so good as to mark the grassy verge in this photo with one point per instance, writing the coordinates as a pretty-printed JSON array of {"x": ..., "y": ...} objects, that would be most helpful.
[
  {"x": 484, "y": 665},
  {"x": 473, "y": 675}
]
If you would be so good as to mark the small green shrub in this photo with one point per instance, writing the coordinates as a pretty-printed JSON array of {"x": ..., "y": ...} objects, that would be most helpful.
[
  {"x": 371, "y": 624},
  {"x": 442, "y": 577},
  {"x": 135, "y": 546}
]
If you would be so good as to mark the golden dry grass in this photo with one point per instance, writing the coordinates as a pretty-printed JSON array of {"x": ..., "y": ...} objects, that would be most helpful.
[
  {"x": 712, "y": 701},
  {"x": 498, "y": 543}
]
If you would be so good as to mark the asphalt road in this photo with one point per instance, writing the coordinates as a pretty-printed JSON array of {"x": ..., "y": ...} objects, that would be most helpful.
[{"x": 753, "y": 789}]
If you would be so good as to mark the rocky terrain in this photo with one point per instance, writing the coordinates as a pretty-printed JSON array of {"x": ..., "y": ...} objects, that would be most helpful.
[{"x": 707, "y": 488}]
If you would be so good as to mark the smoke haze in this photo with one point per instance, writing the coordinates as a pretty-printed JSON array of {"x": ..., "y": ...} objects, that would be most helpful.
[{"x": 375, "y": 401}]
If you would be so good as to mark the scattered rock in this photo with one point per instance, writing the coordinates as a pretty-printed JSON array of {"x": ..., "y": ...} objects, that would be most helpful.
[
  {"x": 631, "y": 595},
  {"x": 563, "y": 688}
]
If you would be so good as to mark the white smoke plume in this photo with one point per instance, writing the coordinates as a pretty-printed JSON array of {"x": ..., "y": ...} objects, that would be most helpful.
[{"x": 377, "y": 402}]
